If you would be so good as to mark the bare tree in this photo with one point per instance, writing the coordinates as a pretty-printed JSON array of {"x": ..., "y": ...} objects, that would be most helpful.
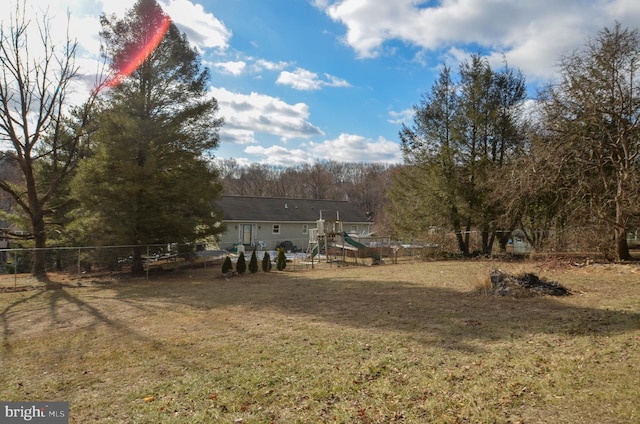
[
  {"x": 365, "y": 185},
  {"x": 33, "y": 120},
  {"x": 594, "y": 112}
]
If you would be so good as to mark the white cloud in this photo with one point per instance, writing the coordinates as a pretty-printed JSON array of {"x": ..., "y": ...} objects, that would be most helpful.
[
  {"x": 333, "y": 81},
  {"x": 345, "y": 148},
  {"x": 279, "y": 155},
  {"x": 202, "y": 28},
  {"x": 237, "y": 135},
  {"x": 302, "y": 79},
  {"x": 531, "y": 34},
  {"x": 233, "y": 68},
  {"x": 356, "y": 148},
  {"x": 402, "y": 117},
  {"x": 247, "y": 114},
  {"x": 270, "y": 66},
  {"x": 320, "y": 4},
  {"x": 247, "y": 64}
]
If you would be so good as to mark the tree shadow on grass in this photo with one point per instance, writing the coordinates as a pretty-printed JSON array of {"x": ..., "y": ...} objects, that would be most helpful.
[
  {"x": 5, "y": 318},
  {"x": 438, "y": 315},
  {"x": 55, "y": 308},
  {"x": 435, "y": 314}
]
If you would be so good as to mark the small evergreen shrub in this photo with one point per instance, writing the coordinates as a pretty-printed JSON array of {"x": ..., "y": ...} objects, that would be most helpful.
[
  {"x": 227, "y": 266},
  {"x": 241, "y": 264},
  {"x": 281, "y": 261},
  {"x": 253, "y": 263},
  {"x": 266, "y": 262}
]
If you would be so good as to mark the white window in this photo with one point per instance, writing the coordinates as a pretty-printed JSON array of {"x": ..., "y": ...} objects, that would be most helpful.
[
  {"x": 305, "y": 228},
  {"x": 354, "y": 229},
  {"x": 276, "y": 229}
]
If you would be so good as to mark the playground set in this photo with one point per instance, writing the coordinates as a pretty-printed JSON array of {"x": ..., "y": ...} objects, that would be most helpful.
[{"x": 330, "y": 240}]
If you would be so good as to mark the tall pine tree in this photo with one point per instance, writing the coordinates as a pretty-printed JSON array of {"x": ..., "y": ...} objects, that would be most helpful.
[
  {"x": 462, "y": 135},
  {"x": 148, "y": 179}
]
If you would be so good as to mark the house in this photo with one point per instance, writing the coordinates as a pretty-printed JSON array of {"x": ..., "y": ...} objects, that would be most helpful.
[{"x": 267, "y": 222}]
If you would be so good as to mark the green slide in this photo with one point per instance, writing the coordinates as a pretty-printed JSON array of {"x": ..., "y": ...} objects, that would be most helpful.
[
  {"x": 352, "y": 242},
  {"x": 314, "y": 251}
]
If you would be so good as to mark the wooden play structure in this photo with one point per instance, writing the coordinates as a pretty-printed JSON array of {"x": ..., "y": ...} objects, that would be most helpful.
[{"x": 329, "y": 235}]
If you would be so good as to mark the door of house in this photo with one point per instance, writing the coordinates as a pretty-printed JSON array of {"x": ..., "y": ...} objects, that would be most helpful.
[{"x": 247, "y": 230}]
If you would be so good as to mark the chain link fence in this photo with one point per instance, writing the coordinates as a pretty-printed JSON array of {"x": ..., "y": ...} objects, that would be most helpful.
[
  {"x": 78, "y": 262},
  {"x": 81, "y": 262}
]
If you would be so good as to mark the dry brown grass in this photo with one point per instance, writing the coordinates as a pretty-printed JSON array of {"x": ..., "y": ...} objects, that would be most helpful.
[{"x": 395, "y": 343}]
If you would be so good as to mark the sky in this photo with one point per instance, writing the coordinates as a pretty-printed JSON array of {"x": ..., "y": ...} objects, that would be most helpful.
[{"x": 301, "y": 81}]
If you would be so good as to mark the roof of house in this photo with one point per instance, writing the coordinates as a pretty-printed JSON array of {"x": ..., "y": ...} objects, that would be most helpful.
[{"x": 279, "y": 209}]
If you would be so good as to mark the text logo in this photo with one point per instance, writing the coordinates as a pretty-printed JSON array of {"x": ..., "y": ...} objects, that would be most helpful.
[{"x": 34, "y": 412}]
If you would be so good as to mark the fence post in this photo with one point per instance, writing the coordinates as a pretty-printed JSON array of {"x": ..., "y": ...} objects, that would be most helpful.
[
  {"x": 15, "y": 271},
  {"x": 147, "y": 264},
  {"x": 78, "y": 265}
]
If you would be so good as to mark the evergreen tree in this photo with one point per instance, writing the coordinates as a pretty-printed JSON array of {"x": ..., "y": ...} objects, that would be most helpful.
[
  {"x": 253, "y": 262},
  {"x": 241, "y": 264},
  {"x": 227, "y": 266},
  {"x": 425, "y": 191},
  {"x": 463, "y": 133},
  {"x": 266, "y": 262},
  {"x": 148, "y": 179},
  {"x": 281, "y": 260}
]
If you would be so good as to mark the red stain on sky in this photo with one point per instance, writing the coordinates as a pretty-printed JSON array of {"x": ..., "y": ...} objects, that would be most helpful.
[{"x": 142, "y": 54}]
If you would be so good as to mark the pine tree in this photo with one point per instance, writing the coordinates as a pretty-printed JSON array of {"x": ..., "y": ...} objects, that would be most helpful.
[
  {"x": 241, "y": 264},
  {"x": 148, "y": 179},
  {"x": 281, "y": 260},
  {"x": 463, "y": 135},
  {"x": 266, "y": 262},
  {"x": 227, "y": 266},
  {"x": 253, "y": 263}
]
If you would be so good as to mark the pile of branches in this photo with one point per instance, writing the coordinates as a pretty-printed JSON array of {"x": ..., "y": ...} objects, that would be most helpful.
[{"x": 505, "y": 284}]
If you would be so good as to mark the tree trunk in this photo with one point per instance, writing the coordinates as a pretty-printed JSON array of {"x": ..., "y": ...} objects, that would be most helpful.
[
  {"x": 137, "y": 267},
  {"x": 464, "y": 248},
  {"x": 620, "y": 229},
  {"x": 463, "y": 240},
  {"x": 503, "y": 241},
  {"x": 622, "y": 247},
  {"x": 487, "y": 241},
  {"x": 38, "y": 269}
]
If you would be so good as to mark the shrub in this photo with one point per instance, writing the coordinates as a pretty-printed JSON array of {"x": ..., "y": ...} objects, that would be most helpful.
[
  {"x": 253, "y": 263},
  {"x": 241, "y": 264},
  {"x": 281, "y": 261},
  {"x": 266, "y": 262},
  {"x": 227, "y": 266}
]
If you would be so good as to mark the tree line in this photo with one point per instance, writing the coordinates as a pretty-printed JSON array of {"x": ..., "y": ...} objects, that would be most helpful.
[
  {"x": 483, "y": 157},
  {"x": 129, "y": 166},
  {"x": 565, "y": 168},
  {"x": 133, "y": 164},
  {"x": 363, "y": 184}
]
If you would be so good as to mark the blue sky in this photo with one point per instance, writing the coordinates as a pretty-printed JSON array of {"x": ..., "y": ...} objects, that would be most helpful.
[{"x": 305, "y": 80}]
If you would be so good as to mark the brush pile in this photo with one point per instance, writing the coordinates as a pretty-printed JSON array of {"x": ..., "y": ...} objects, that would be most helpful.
[{"x": 505, "y": 284}]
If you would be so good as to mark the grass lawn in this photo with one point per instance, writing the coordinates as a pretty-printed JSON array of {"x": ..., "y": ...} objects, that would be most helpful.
[{"x": 412, "y": 343}]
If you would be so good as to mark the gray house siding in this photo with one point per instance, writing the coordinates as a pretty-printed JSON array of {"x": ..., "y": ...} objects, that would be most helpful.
[
  {"x": 262, "y": 235},
  {"x": 253, "y": 221}
]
